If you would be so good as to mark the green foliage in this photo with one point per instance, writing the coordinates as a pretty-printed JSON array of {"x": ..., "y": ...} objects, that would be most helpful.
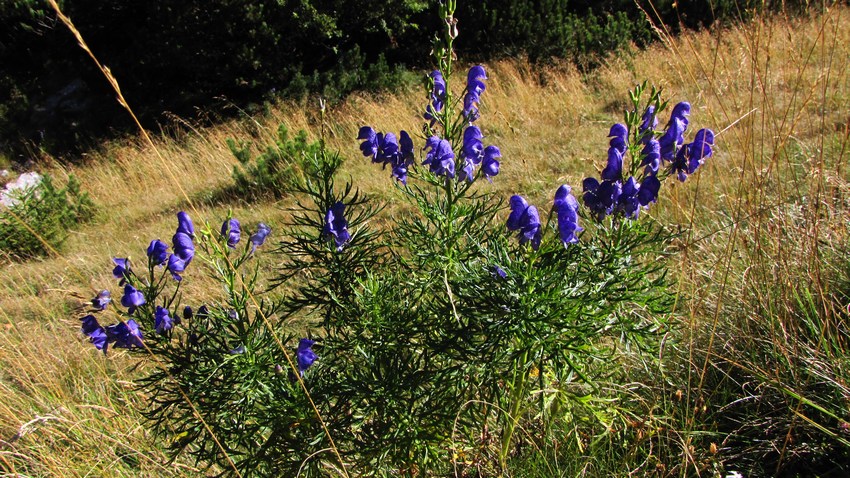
[
  {"x": 42, "y": 218},
  {"x": 276, "y": 170},
  {"x": 549, "y": 29}
]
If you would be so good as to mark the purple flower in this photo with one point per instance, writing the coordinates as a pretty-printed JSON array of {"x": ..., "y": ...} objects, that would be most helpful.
[
  {"x": 232, "y": 231},
  {"x": 497, "y": 272},
  {"x": 184, "y": 224},
  {"x": 674, "y": 136},
  {"x": 628, "y": 201},
  {"x": 438, "y": 97},
  {"x": 648, "y": 190},
  {"x": 490, "y": 165},
  {"x": 472, "y": 152},
  {"x": 184, "y": 248},
  {"x": 158, "y": 252},
  {"x": 440, "y": 158},
  {"x": 700, "y": 149},
  {"x": 618, "y": 145},
  {"x": 121, "y": 270},
  {"x": 176, "y": 265},
  {"x": 125, "y": 335},
  {"x": 187, "y": 313},
  {"x": 693, "y": 155},
  {"x": 162, "y": 320},
  {"x": 404, "y": 158},
  {"x": 369, "y": 147},
  {"x": 619, "y": 135},
  {"x": 648, "y": 122},
  {"x": 525, "y": 219},
  {"x": 336, "y": 226},
  {"x": 259, "y": 238},
  {"x": 132, "y": 298},
  {"x": 102, "y": 300},
  {"x": 387, "y": 150},
  {"x": 566, "y": 208},
  {"x": 474, "y": 87},
  {"x": 305, "y": 355},
  {"x": 614, "y": 169},
  {"x": 602, "y": 198},
  {"x": 651, "y": 156},
  {"x": 95, "y": 333}
]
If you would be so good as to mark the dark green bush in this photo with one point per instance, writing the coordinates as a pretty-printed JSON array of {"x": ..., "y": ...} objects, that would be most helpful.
[
  {"x": 41, "y": 219},
  {"x": 279, "y": 168}
]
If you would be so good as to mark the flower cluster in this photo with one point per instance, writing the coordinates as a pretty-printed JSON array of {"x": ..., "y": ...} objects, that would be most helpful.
[
  {"x": 440, "y": 157},
  {"x": 525, "y": 218},
  {"x": 617, "y": 194},
  {"x": 387, "y": 150},
  {"x": 614, "y": 194},
  {"x": 129, "y": 334},
  {"x": 122, "y": 335}
]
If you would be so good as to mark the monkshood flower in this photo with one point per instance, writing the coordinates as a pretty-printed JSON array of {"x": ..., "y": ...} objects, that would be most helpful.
[
  {"x": 387, "y": 150},
  {"x": 132, "y": 298},
  {"x": 440, "y": 158},
  {"x": 648, "y": 123},
  {"x": 651, "y": 156},
  {"x": 693, "y": 155},
  {"x": 102, "y": 300},
  {"x": 158, "y": 252},
  {"x": 474, "y": 87},
  {"x": 566, "y": 207},
  {"x": 162, "y": 320},
  {"x": 95, "y": 333},
  {"x": 525, "y": 219},
  {"x": 405, "y": 157},
  {"x": 601, "y": 198},
  {"x": 648, "y": 190},
  {"x": 259, "y": 238},
  {"x": 231, "y": 230},
  {"x": 438, "y": 97},
  {"x": 490, "y": 165},
  {"x": 121, "y": 270},
  {"x": 125, "y": 335},
  {"x": 472, "y": 152},
  {"x": 185, "y": 225},
  {"x": 184, "y": 248},
  {"x": 497, "y": 272},
  {"x": 628, "y": 202},
  {"x": 369, "y": 147},
  {"x": 675, "y": 134},
  {"x": 336, "y": 226},
  {"x": 617, "y": 148},
  {"x": 304, "y": 355}
]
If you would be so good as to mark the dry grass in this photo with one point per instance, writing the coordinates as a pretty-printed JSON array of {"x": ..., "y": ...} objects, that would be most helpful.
[{"x": 779, "y": 174}]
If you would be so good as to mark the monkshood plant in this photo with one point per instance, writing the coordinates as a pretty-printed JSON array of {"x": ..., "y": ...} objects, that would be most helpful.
[{"x": 426, "y": 342}]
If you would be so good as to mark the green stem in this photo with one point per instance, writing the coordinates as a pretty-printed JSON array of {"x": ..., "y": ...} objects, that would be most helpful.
[{"x": 517, "y": 395}]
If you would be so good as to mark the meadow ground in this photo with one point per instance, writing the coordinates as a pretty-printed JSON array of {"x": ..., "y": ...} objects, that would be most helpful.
[{"x": 758, "y": 375}]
